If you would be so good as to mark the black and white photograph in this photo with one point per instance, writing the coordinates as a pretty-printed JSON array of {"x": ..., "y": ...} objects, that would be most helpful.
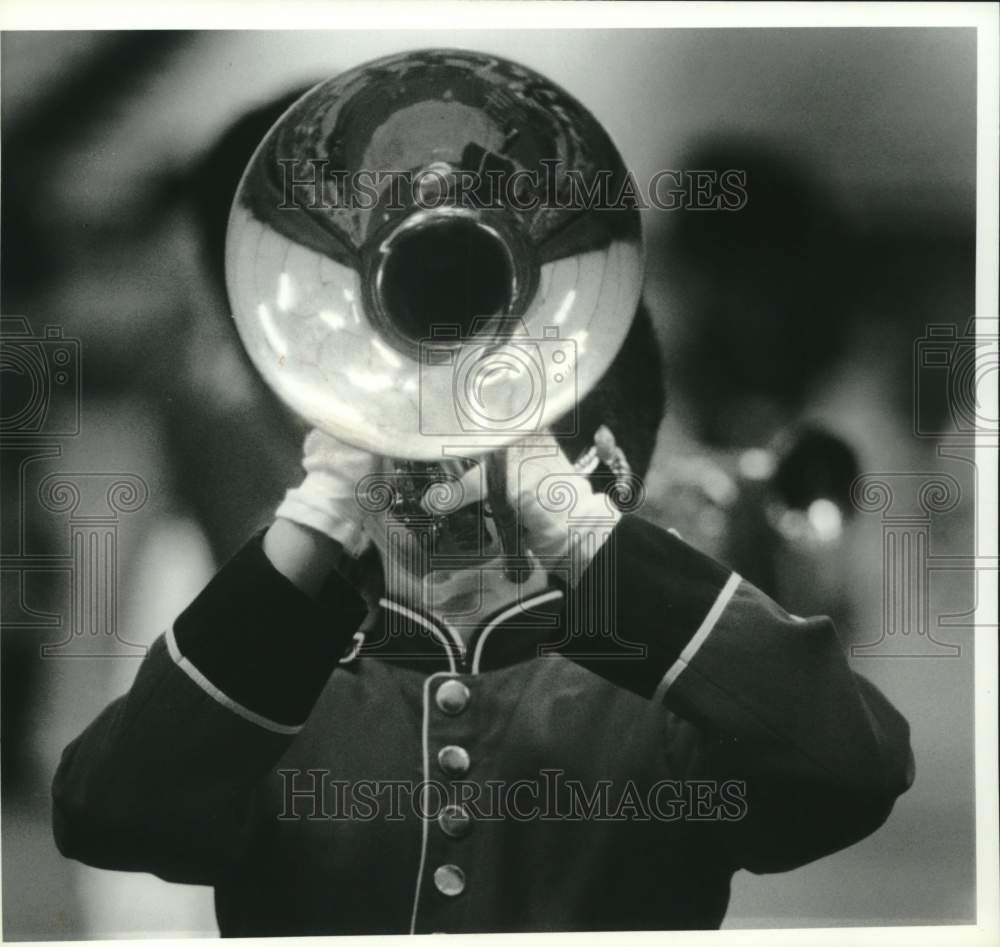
[{"x": 499, "y": 468}]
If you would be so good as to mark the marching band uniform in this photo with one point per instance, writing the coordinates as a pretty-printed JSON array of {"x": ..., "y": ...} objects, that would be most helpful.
[{"x": 220, "y": 765}]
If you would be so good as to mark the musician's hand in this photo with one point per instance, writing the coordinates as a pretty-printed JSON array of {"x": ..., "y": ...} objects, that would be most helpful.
[
  {"x": 546, "y": 491},
  {"x": 326, "y": 500}
]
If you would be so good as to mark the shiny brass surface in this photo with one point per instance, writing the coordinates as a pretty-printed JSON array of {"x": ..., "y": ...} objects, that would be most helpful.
[{"x": 425, "y": 252}]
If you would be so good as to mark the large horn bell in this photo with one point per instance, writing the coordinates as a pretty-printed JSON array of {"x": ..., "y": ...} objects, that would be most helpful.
[{"x": 395, "y": 297}]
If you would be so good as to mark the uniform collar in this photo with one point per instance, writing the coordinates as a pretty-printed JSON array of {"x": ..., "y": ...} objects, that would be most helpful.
[{"x": 418, "y": 639}]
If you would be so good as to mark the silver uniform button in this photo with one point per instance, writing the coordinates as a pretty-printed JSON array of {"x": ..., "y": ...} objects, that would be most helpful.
[
  {"x": 452, "y": 697},
  {"x": 449, "y": 880},
  {"x": 455, "y": 821},
  {"x": 453, "y": 760}
]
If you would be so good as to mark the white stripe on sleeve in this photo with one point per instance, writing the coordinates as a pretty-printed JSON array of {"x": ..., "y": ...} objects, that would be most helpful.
[
  {"x": 699, "y": 637},
  {"x": 209, "y": 688}
]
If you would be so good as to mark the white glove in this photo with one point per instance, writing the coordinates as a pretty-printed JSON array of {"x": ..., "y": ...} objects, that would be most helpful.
[
  {"x": 553, "y": 501},
  {"x": 326, "y": 500}
]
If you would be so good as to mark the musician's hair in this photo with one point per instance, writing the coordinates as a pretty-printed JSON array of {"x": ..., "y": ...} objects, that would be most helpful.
[{"x": 630, "y": 398}]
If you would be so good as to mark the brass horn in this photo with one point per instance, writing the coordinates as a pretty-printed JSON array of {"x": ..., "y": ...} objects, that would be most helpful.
[
  {"x": 426, "y": 248},
  {"x": 428, "y": 251}
]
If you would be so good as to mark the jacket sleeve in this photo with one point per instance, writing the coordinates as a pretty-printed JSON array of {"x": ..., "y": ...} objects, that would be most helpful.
[
  {"x": 163, "y": 780},
  {"x": 822, "y": 753}
]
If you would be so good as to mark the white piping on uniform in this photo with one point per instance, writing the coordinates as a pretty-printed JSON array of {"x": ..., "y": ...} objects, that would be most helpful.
[
  {"x": 209, "y": 688},
  {"x": 424, "y": 727},
  {"x": 698, "y": 638},
  {"x": 503, "y": 616},
  {"x": 456, "y": 640}
]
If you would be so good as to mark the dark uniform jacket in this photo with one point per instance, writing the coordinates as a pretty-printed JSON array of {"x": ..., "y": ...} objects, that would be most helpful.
[{"x": 601, "y": 758}]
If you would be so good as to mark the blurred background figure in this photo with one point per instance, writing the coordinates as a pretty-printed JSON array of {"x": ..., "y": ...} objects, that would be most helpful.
[{"x": 788, "y": 331}]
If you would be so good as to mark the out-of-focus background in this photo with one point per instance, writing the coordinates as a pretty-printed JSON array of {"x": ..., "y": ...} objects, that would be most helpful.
[{"x": 794, "y": 334}]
